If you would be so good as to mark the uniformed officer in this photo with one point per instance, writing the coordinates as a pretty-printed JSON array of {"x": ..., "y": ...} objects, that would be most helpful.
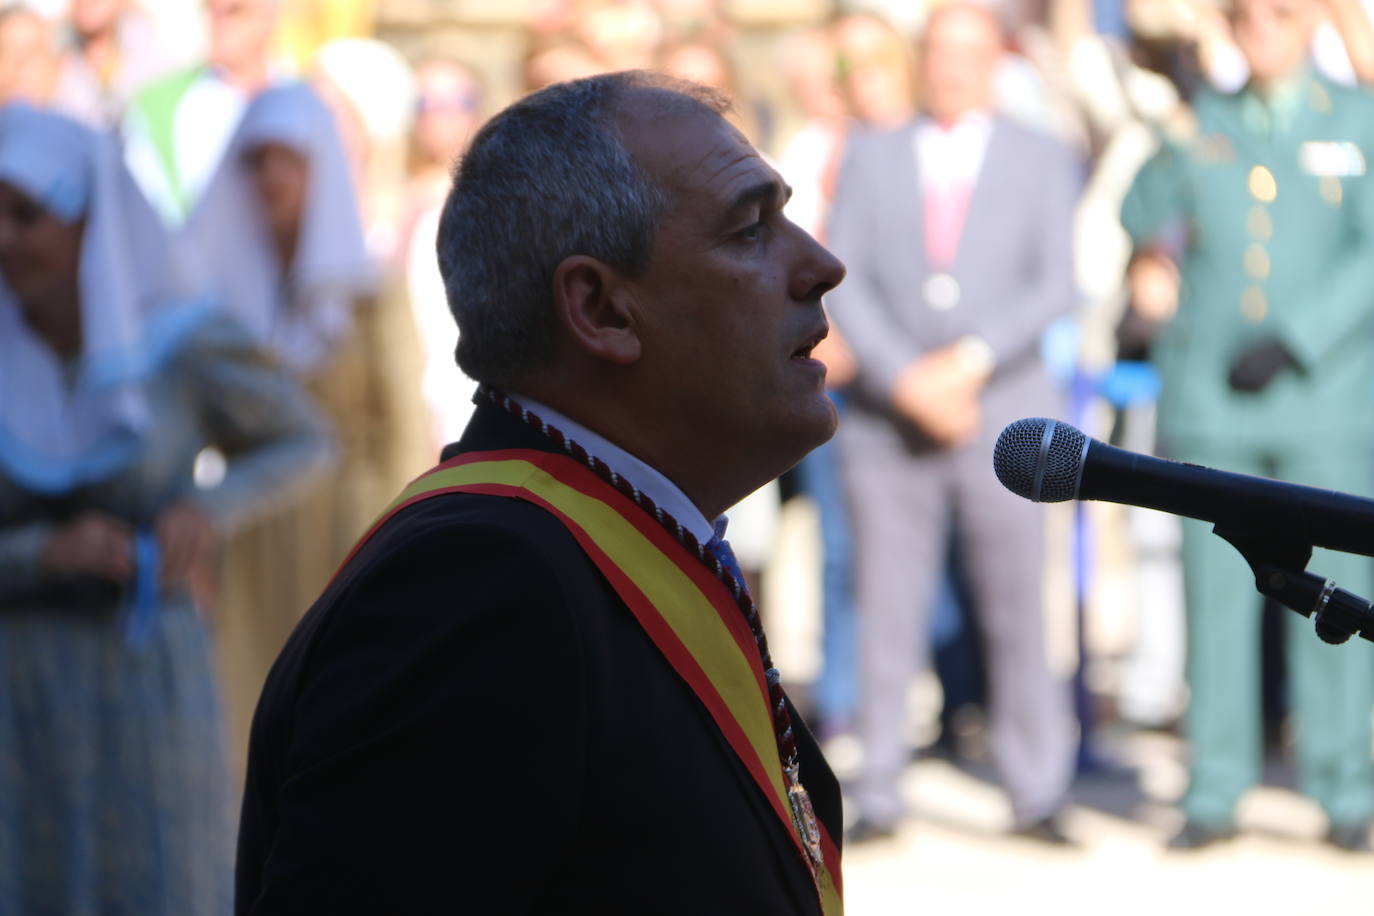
[{"x": 1267, "y": 370}]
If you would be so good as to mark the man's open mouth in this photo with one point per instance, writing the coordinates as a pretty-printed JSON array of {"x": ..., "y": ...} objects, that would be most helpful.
[{"x": 804, "y": 351}]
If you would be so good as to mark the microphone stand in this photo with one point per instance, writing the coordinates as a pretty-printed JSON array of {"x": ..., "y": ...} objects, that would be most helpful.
[{"x": 1279, "y": 568}]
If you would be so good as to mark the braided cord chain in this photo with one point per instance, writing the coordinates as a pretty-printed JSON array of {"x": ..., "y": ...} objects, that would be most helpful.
[{"x": 782, "y": 719}]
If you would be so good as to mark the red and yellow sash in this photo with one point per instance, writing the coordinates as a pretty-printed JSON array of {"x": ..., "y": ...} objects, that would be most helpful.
[{"x": 687, "y": 612}]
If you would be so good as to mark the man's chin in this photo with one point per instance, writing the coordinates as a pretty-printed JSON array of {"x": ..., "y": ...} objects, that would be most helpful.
[
  {"x": 833, "y": 421},
  {"x": 821, "y": 423}
]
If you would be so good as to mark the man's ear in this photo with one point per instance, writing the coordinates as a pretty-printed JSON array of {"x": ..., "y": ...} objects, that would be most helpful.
[{"x": 595, "y": 310}]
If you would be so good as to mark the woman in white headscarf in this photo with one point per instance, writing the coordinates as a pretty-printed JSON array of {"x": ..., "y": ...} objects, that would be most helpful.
[
  {"x": 279, "y": 234},
  {"x": 114, "y": 794}
]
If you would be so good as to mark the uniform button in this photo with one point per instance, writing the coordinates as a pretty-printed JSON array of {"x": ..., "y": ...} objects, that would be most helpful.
[
  {"x": 1259, "y": 224},
  {"x": 1256, "y": 262},
  {"x": 1254, "y": 305},
  {"x": 1330, "y": 189},
  {"x": 1263, "y": 187}
]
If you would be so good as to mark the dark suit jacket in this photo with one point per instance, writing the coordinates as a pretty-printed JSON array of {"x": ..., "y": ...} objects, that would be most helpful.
[{"x": 470, "y": 720}]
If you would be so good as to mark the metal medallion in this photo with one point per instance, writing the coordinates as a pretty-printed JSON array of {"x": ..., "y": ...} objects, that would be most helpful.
[
  {"x": 941, "y": 291},
  {"x": 804, "y": 818}
]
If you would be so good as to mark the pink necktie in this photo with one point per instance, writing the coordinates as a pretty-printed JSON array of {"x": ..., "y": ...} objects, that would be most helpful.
[{"x": 945, "y": 209}]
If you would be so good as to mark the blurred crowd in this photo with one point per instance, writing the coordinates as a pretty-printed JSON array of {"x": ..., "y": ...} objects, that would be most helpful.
[{"x": 225, "y": 347}]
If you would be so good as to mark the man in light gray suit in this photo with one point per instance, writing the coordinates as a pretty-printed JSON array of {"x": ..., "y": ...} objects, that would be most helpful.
[{"x": 957, "y": 233}]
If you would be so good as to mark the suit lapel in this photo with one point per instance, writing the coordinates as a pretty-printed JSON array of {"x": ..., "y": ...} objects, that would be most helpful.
[{"x": 906, "y": 197}]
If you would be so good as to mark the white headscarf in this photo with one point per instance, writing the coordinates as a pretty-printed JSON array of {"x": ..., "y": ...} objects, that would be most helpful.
[
  {"x": 303, "y": 315},
  {"x": 62, "y": 426},
  {"x": 376, "y": 80}
]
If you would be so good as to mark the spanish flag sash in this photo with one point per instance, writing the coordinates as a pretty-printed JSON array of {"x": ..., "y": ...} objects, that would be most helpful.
[{"x": 687, "y": 612}]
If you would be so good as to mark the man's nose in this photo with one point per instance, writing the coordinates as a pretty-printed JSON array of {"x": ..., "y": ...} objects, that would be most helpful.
[{"x": 821, "y": 272}]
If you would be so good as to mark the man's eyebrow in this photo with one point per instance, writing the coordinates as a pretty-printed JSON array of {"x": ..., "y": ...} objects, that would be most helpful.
[{"x": 759, "y": 193}]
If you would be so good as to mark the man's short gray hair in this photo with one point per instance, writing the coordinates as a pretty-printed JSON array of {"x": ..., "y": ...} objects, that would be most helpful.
[{"x": 546, "y": 179}]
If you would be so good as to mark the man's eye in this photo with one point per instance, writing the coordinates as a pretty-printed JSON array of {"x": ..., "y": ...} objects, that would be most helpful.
[{"x": 752, "y": 232}]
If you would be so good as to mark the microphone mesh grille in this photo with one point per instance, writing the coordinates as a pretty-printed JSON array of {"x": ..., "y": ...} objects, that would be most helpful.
[
  {"x": 1017, "y": 456},
  {"x": 1062, "y": 465}
]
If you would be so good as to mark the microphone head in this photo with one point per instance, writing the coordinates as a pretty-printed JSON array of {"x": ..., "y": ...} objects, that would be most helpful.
[{"x": 1040, "y": 460}]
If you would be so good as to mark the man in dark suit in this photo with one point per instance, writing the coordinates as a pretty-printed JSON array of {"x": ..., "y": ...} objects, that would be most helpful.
[
  {"x": 484, "y": 712},
  {"x": 956, "y": 230}
]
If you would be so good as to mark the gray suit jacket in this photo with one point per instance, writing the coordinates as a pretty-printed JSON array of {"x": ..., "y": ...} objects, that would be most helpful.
[{"x": 1013, "y": 270}]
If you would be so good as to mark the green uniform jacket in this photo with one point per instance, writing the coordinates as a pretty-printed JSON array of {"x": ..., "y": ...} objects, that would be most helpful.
[{"x": 1277, "y": 234}]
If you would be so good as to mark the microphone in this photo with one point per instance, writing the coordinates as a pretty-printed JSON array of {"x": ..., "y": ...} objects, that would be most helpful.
[{"x": 1049, "y": 461}]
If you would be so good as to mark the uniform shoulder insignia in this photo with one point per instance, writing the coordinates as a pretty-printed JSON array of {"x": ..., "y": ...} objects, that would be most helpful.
[{"x": 1331, "y": 158}]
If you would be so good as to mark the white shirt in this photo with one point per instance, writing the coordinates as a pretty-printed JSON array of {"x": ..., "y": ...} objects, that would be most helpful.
[
  {"x": 652, "y": 483},
  {"x": 953, "y": 156}
]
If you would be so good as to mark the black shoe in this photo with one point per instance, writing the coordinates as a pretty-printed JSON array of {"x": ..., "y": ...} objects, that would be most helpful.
[
  {"x": 866, "y": 831},
  {"x": 1350, "y": 837},
  {"x": 1046, "y": 830},
  {"x": 1196, "y": 836}
]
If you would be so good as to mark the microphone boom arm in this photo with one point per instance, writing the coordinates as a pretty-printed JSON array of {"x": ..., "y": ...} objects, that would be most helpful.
[
  {"x": 1279, "y": 573},
  {"x": 1045, "y": 460}
]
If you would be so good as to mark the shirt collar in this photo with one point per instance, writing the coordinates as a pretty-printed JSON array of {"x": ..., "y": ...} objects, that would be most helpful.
[
  {"x": 653, "y": 483},
  {"x": 977, "y": 119},
  {"x": 1275, "y": 111}
]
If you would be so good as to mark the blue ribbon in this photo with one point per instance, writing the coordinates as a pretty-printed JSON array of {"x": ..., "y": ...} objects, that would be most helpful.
[
  {"x": 140, "y": 613},
  {"x": 1128, "y": 384}
]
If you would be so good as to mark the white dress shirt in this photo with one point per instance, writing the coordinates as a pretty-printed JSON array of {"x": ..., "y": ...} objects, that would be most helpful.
[
  {"x": 653, "y": 483},
  {"x": 952, "y": 156}
]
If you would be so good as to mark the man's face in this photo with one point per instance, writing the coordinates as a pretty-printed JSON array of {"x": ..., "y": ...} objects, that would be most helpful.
[
  {"x": 875, "y": 69},
  {"x": 731, "y": 300},
  {"x": 811, "y": 69},
  {"x": 1274, "y": 35},
  {"x": 240, "y": 30},
  {"x": 448, "y": 111},
  {"x": 90, "y": 17},
  {"x": 28, "y": 58},
  {"x": 959, "y": 58}
]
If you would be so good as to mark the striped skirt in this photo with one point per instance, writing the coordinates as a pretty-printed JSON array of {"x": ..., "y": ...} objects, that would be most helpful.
[{"x": 114, "y": 791}]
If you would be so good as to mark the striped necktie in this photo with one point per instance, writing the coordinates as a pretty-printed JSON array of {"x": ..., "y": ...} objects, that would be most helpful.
[{"x": 719, "y": 548}]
